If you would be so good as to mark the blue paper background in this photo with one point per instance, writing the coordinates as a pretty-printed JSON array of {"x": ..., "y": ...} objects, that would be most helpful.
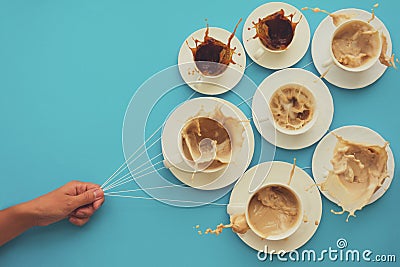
[{"x": 67, "y": 72}]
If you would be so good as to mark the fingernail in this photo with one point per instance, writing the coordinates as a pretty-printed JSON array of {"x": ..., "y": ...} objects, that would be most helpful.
[
  {"x": 98, "y": 193},
  {"x": 79, "y": 213}
]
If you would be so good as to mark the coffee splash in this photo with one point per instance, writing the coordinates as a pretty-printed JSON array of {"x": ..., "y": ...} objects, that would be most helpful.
[
  {"x": 383, "y": 57},
  {"x": 273, "y": 210},
  {"x": 338, "y": 19},
  {"x": 292, "y": 106},
  {"x": 238, "y": 224},
  {"x": 198, "y": 129},
  {"x": 355, "y": 44},
  {"x": 276, "y": 31},
  {"x": 358, "y": 171},
  {"x": 227, "y": 132},
  {"x": 213, "y": 56}
]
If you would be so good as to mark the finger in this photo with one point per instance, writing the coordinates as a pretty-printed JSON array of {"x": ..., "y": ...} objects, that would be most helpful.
[
  {"x": 84, "y": 212},
  {"x": 82, "y": 187},
  {"x": 79, "y": 216},
  {"x": 78, "y": 221},
  {"x": 98, "y": 203},
  {"x": 88, "y": 197}
]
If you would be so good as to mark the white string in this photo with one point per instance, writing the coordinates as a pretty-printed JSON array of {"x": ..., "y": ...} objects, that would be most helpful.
[
  {"x": 165, "y": 199},
  {"x": 133, "y": 179},
  {"x": 127, "y": 165},
  {"x": 134, "y": 153},
  {"x": 133, "y": 171},
  {"x": 117, "y": 193},
  {"x": 249, "y": 65},
  {"x": 119, "y": 170},
  {"x": 244, "y": 101},
  {"x": 150, "y": 188},
  {"x": 126, "y": 176},
  {"x": 149, "y": 161},
  {"x": 308, "y": 64}
]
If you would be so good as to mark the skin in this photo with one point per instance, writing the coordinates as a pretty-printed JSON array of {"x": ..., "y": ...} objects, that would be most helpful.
[{"x": 76, "y": 201}]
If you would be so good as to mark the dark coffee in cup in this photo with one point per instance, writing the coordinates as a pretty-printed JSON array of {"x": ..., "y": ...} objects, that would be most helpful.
[{"x": 276, "y": 31}]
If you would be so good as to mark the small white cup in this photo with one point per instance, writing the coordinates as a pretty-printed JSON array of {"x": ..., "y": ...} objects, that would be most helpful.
[
  {"x": 363, "y": 67},
  {"x": 232, "y": 209},
  {"x": 301, "y": 130},
  {"x": 263, "y": 49},
  {"x": 204, "y": 81},
  {"x": 211, "y": 76}
]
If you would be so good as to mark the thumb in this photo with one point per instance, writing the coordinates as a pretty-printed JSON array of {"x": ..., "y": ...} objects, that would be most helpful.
[{"x": 88, "y": 197}]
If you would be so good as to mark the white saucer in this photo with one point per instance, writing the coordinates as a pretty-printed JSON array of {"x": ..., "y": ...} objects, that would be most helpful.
[
  {"x": 337, "y": 76},
  {"x": 240, "y": 158},
  {"x": 295, "y": 51},
  {"x": 323, "y": 98},
  {"x": 205, "y": 85},
  {"x": 302, "y": 183},
  {"x": 324, "y": 152}
]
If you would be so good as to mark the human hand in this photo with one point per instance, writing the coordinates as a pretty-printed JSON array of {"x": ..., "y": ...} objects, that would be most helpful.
[{"x": 76, "y": 200}]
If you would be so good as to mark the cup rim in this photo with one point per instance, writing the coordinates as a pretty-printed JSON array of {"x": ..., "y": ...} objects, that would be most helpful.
[
  {"x": 291, "y": 230},
  {"x": 303, "y": 129},
  {"x": 188, "y": 162},
  {"x": 275, "y": 51},
  {"x": 211, "y": 76},
  {"x": 363, "y": 67}
]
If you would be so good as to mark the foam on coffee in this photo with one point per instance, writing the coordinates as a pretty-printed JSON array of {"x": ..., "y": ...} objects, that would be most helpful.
[
  {"x": 292, "y": 106},
  {"x": 197, "y": 129},
  {"x": 273, "y": 210},
  {"x": 355, "y": 43}
]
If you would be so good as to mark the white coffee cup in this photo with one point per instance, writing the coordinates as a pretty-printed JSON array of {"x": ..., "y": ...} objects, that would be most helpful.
[
  {"x": 364, "y": 66},
  {"x": 190, "y": 165},
  {"x": 211, "y": 63},
  {"x": 301, "y": 130},
  {"x": 263, "y": 49},
  {"x": 233, "y": 209}
]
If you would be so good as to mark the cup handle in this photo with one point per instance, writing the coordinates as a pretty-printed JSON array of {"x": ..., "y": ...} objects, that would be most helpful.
[
  {"x": 327, "y": 63},
  {"x": 235, "y": 208},
  {"x": 259, "y": 53}
]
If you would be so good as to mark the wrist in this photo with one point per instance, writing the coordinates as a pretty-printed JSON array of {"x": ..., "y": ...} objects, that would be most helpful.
[{"x": 26, "y": 214}]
